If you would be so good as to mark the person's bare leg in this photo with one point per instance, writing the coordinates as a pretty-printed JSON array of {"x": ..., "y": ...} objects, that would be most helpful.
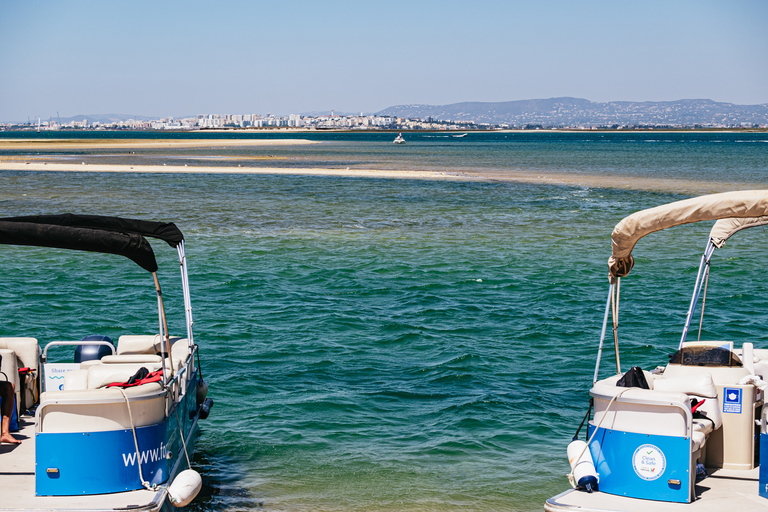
[{"x": 6, "y": 391}]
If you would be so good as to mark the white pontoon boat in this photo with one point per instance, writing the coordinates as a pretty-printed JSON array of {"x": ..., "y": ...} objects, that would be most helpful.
[
  {"x": 690, "y": 435},
  {"x": 115, "y": 429}
]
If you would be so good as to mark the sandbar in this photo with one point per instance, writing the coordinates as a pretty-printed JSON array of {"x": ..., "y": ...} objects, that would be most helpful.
[
  {"x": 513, "y": 176},
  {"x": 53, "y": 144}
]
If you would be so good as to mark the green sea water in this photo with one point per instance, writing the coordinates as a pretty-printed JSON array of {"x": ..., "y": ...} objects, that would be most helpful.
[{"x": 382, "y": 344}]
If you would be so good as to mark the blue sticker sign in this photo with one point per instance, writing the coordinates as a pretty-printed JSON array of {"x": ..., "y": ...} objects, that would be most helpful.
[{"x": 732, "y": 400}]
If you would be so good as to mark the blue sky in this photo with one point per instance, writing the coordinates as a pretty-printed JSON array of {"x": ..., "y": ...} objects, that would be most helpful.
[{"x": 186, "y": 57}]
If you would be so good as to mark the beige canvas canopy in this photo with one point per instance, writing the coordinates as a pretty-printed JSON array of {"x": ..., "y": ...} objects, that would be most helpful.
[
  {"x": 726, "y": 228},
  {"x": 743, "y": 209}
]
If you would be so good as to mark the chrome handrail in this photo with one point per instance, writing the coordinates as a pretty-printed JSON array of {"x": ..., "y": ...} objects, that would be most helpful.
[{"x": 72, "y": 343}]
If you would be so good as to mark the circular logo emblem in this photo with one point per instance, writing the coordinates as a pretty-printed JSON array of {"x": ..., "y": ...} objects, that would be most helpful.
[{"x": 649, "y": 462}]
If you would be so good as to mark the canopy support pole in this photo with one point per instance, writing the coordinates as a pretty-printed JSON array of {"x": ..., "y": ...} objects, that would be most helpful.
[
  {"x": 615, "y": 311},
  {"x": 602, "y": 333},
  {"x": 705, "y": 258},
  {"x": 163, "y": 327},
  {"x": 185, "y": 292},
  {"x": 704, "y": 299}
]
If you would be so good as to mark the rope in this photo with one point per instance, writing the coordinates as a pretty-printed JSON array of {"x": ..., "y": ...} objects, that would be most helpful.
[
  {"x": 199, "y": 368},
  {"x": 144, "y": 483},
  {"x": 183, "y": 441},
  {"x": 589, "y": 410},
  {"x": 589, "y": 442}
]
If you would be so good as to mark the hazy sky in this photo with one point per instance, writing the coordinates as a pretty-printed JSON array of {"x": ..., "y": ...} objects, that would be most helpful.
[{"x": 187, "y": 57}]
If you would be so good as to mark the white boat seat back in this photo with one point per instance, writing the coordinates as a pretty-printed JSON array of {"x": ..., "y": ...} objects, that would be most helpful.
[
  {"x": 151, "y": 344},
  {"x": 131, "y": 359},
  {"x": 650, "y": 412},
  {"x": 698, "y": 385},
  {"x": 56, "y": 414},
  {"x": 102, "y": 374},
  {"x": 26, "y": 354},
  {"x": 701, "y": 387},
  {"x": 721, "y": 375},
  {"x": 9, "y": 370},
  {"x": 75, "y": 379},
  {"x": 139, "y": 344}
]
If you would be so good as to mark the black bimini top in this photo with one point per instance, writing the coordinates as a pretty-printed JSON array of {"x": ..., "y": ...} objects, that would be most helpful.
[{"x": 95, "y": 233}]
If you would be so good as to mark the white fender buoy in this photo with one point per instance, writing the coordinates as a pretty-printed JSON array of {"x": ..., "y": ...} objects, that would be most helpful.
[
  {"x": 184, "y": 488},
  {"x": 583, "y": 470}
]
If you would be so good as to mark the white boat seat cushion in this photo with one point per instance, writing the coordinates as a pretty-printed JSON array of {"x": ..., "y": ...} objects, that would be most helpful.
[
  {"x": 131, "y": 359},
  {"x": 698, "y": 385},
  {"x": 75, "y": 379},
  {"x": 58, "y": 413},
  {"x": 25, "y": 354},
  {"x": 697, "y": 440},
  {"x": 26, "y": 350},
  {"x": 138, "y": 344},
  {"x": 102, "y": 374},
  {"x": 148, "y": 344}
]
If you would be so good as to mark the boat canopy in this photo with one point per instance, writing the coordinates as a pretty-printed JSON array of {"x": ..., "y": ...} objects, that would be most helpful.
[
  {"x": 726, "y": 228},
  {"x": 95, "y": 233},
  {"x": 741, "y": 209}
]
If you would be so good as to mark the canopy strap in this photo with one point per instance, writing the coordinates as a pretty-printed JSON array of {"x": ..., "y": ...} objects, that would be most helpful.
[
  {"x": 589, "y": 411},
  {"x": 703, "y": 268},
  {"x": 704, "y": 299},
  {"x": 163, "y": 330},
  {"x": 615, "y": 311},
  {"x": 602, "y": 332}
]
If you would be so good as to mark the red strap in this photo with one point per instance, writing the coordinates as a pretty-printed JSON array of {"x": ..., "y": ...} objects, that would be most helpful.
[
  {"x": 693, "y": 409},
  {"x": 151, "y": 377}
]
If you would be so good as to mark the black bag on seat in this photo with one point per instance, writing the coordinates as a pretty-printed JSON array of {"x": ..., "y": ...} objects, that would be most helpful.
[{"x": 634, "y": 378}]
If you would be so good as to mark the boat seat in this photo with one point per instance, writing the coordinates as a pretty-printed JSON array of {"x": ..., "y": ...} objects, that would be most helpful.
[
  {"x": 97, "y": 410},
  {"x": 649, "y": 413},
  {"x": 701, "y": 387},
  {"x": 134, "y": 344},
  {"x": 131, "y": 359},
  {"x": 97, "y": 374},
  {"x": 698, "y": 440},
  {"x": 721, "y": 375},
  {"x": 101, "y": 375},
  {"x": 21, "y": 352},
  {"x": 75, "y": 379}
]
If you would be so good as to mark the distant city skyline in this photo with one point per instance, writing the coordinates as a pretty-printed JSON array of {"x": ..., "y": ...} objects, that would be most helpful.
[{"x": 185, "y": 58}]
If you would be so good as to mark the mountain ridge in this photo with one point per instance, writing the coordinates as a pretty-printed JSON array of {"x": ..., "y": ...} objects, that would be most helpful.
[{"x": 567, "y": 111}]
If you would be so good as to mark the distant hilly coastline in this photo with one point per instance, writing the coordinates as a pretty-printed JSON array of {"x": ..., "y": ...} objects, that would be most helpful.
[{"x": 563, "y": 112}]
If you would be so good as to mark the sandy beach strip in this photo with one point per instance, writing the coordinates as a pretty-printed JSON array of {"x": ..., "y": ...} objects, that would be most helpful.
[
  {"x": 78, "y": 144},
  {"x": 511, "y": 176}
]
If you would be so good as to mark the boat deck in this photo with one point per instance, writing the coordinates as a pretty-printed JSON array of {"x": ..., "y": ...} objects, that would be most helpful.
[
  {"x": 722, "y": 490},
  {"x": 17, "y": 481}
]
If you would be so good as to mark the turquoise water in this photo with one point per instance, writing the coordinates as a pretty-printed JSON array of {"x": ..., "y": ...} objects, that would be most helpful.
[{"x": 392, "y": 344}]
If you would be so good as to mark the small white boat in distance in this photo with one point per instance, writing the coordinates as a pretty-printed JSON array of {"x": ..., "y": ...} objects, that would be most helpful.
[
  {"x": 691, "y": 435},
  {"x": 459, "y": 136},
  {"x": 399, "y": 139}
]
